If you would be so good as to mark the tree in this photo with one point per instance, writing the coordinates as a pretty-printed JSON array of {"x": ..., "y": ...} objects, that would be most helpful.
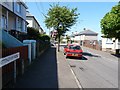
[
  {"x": 45, "y": 38},
  {"x": 32, "y": 33},
  {"x": 68, "y": 38},
  {"x": 110, "y": 24},
  {"x": 60, "y": 18}
]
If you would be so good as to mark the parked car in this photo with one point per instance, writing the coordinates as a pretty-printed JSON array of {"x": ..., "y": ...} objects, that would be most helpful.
[{"x": 73, "y": 50}]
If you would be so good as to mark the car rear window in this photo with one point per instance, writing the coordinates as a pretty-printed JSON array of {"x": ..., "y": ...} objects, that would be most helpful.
[{"x": 75, "y": 47}]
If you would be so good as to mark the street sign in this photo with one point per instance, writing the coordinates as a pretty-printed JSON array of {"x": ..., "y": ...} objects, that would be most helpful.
[{"x": 9, "y": 59}]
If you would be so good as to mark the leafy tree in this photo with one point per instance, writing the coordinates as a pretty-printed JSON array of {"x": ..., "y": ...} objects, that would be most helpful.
[
  {"x": 60, "y": 18},
  {"x": 110, "y": 24}
]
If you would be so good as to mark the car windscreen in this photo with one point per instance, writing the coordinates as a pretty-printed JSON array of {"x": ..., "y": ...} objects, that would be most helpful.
[{"x": 74, "y": 47}]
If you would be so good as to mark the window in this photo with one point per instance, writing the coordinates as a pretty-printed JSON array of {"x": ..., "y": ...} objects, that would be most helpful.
[
  {"x": 18, "y": 7},
  {"x": 19, "y": 22},
  {"x": 4, "y": 22},
  {"x": 74, "y": 47},
  {"x": 109, "y": 41}
]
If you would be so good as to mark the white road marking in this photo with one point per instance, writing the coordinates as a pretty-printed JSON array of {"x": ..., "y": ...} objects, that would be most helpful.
[{"x": 77, "y": 81}]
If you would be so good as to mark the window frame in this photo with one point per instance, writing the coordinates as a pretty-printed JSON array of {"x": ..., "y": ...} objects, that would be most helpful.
[
  {"x": 4, "y": 22},
  {"x": 18, "y": 7}
]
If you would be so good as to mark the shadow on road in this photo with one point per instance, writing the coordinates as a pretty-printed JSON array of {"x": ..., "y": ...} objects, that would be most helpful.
[
  {"x": 42, "y": 73},
  {"x": 90, "y": 55},
  {"x": 116, "y": 55},
  {"x": 75, "y": 58}
]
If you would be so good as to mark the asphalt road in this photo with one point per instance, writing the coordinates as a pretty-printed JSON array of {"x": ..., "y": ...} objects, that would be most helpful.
[{"x": 96, "y": 69}]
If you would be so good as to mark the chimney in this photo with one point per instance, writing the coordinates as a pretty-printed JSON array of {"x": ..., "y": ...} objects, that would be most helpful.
[{"x": 84, "y": 28}]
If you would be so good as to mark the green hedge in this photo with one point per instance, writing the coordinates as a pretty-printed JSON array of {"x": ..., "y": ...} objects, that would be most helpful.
[{"x": 2, "y": 45}]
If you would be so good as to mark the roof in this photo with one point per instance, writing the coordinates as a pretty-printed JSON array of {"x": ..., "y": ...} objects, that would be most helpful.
[
  {"x": 28, "y": 14},
  {"x": 23, "y": 3},
  {"x": 88, "y": 32}
]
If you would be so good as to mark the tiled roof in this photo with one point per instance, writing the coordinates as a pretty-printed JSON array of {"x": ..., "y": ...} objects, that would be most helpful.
[{"x": 87, "y": 32}]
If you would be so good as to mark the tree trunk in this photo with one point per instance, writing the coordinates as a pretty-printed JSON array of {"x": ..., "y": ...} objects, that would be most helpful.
[{"x": 59, "y": 43}]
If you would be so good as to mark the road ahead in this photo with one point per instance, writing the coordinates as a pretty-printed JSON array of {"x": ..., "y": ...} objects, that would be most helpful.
[{"x": 96, "y": 69}]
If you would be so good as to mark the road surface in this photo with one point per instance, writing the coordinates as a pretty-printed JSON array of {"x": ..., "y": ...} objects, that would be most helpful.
[{"x": 96, "y": 69}]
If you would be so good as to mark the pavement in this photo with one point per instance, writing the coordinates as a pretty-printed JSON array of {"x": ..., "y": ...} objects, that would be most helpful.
[{"x": 50, "y": 70}]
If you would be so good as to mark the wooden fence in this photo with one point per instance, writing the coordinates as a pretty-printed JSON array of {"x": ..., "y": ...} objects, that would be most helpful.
[{"x": 8, "y": 70}]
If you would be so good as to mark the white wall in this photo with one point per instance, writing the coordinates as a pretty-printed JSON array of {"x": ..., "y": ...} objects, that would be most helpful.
[
  {"x": 82, "y": 37},
  {"x": 86, "y": 37},
  {"x": 77, "y": 38},
  {"x": 30, "y": 23},
  {"x": 107, "y": 43},
  {"x": 117, "y": 44}
]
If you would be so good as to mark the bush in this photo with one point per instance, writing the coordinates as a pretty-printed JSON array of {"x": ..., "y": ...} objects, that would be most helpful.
[
  {"x": 32, "y": 33},
  {"x": 44, "y": 38},
  {"x": 2, "y": 45}
]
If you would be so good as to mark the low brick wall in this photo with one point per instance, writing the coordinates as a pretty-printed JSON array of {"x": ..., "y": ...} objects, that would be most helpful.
[{"x": 88, "y": 43}]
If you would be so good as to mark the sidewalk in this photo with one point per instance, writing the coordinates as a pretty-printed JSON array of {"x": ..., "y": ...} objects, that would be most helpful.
[{"x": 50, "y": 70}]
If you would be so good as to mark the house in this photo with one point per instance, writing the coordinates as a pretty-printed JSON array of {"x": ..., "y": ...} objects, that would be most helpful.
[
  {"x": 110, "y": 44},
  {"x": 33, "y": 22},
  {"x": 13, "y": 18},
  {"x": 86, "y": 38}
]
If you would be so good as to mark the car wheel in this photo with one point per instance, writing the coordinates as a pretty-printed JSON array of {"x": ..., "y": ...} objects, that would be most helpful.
[
  {"x": 64, "y": 53},
  {"x": 66, "y": 56}
]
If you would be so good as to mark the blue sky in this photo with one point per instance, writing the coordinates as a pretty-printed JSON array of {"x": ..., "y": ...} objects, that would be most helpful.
[{"x": 90, "y": 16}]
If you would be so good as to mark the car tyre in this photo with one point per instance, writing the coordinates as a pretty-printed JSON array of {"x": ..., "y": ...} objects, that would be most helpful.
[{"x": 66, "y": 56}]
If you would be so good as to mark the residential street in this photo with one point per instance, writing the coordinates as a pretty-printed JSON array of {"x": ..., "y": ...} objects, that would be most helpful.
[
  {"x": 96, "y": 69},
  {"x": 52, "y": 70}
]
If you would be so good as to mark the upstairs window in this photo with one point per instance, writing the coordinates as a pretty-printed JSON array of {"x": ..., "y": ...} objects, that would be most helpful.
[
  {"x": 18, "y": 7},
  {"x": 4, "y": 22},
  {"x": 19, "y": 22}
]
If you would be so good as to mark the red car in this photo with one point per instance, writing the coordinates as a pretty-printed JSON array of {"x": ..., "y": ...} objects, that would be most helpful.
[{"x": 73, "y": 50}]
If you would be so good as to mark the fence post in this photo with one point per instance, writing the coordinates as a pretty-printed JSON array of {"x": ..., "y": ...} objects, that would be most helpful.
[
  {"x": 15, "y": 71},
  {"x": 22, "y": 66}
]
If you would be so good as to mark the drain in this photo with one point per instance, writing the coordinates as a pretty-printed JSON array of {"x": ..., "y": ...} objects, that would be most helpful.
[
  {"x": 81, "y": 68},
  {"x": 73, "y": 66}
]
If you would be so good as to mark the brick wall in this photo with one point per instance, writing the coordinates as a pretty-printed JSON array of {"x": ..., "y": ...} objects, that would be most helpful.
[{"x": 92, "y": 44}]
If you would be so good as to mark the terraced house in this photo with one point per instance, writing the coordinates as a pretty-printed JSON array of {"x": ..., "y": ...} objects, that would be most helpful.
[{"x": 13, "y": 18}]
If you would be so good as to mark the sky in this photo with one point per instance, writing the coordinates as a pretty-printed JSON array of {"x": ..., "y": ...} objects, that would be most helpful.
[{"x": 90, "y": 16}]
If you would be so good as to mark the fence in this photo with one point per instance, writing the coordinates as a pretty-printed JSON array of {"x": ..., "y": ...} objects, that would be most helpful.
[
  {"x": 8, "y": 70},
  {"x": 41, "y": 46}
]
